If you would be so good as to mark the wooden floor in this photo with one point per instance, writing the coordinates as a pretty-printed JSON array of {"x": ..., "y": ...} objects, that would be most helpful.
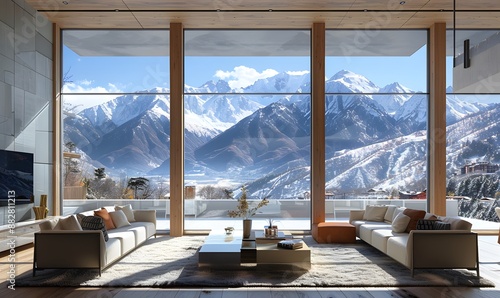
[{"x": 489, "y": 258}]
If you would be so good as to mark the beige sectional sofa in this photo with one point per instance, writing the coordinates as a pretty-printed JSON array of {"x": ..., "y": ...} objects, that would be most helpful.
[
  {"x": 397, "y": 232},
  {"x": 63, "y": 243}
]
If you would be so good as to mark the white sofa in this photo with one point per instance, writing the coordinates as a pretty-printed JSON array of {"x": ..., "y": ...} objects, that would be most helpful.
[
  {"x": 456, "y": 248},
  {"x": 60, "y": 244}
]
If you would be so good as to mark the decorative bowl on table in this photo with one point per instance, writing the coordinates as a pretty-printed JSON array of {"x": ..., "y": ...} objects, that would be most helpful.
[{"x": 229, "y": 230}]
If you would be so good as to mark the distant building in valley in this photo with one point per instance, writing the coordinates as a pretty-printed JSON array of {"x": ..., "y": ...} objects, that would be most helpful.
[
  {"x": 413, "y": 195},
  {"x": 479, "y": 167}
]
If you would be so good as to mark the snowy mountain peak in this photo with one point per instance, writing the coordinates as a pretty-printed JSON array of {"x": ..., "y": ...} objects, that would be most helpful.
[
  {"x": 341, "y": 74},
  {"x": 220, "y": 86},
  {"x": 396, "y": 88},
  {"x": 285, "y": 82},
  {"x": 155, "y": 90},
  {"x": 353, "y": 82}
]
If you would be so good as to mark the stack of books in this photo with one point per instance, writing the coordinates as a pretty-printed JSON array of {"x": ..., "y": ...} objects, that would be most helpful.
[{"x": 290, "y": 244}]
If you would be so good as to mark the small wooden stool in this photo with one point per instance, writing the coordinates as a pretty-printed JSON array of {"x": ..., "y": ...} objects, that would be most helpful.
[{"x": 334, "y": 232}]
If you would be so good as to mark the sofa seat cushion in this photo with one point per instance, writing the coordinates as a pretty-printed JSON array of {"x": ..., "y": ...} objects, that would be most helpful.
[
  {"x": 126, "y": 238},
  {"x": 150, "y": 229},
  {"x": 398, "y": 250},
  {"x": 142, "y": 231},
  {"x": 380, "y": 238},
  {"x": 359, "y": 223},
  {"x": 365, "y": 231},
  {"x": 113, "y": 251}
]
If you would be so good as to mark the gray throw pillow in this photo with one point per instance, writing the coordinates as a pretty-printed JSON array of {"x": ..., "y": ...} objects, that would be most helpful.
[
  {"x": 426, "y": 224},
  {"x": 441, "y": 225},
  {"x": 95, "y": 223}
]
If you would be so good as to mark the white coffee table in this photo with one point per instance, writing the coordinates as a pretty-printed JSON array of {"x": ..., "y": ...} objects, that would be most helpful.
[
  {"x": 225, "y": 251},
  {"x": 221, "y": 250}
]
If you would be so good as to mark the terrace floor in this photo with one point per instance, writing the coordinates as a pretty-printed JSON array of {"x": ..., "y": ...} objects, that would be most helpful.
[{"x": 200, "y": 224}]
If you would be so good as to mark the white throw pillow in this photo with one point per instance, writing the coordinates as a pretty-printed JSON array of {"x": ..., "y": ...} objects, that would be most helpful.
[
  {"x": 119, "y": 218},
  {"x": 48, "y": 225},
  {"x": 389, "y": 214},
  {"x": 127, "y": 209},
  {"x": 375, "y": 213},
  {"x": 397, "y": 211},
  {"x": 400, "y": 223},
  {"x": 69, "y": 223}
]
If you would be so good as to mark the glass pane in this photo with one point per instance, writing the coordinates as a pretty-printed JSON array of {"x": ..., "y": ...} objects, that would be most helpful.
[
  {"x": 115, "y": 61},
  {"x": 376, "y": 119},
  {"x": 116, "y": 120},
  {"x": 473, "y": 110},
  {"x": 247, "y": 61},
  {"x": 247, "y": 123},
  {"x": 381, "y": 61},
  {"x": 473, "y": 154}
]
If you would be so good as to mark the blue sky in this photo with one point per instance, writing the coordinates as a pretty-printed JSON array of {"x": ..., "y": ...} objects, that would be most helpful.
[{"x": 129, "y": 74}]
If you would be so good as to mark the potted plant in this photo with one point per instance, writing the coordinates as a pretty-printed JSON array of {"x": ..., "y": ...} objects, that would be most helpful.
[{"x": 245, "y": 210}]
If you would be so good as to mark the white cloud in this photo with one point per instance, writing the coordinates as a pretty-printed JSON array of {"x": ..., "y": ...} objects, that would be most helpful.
[
  {"x": 84, "y": 94},
  {"x": 86, "y": 83},
  {"x": 298, "y": 72},
  {"x": 242, "y": 76}
]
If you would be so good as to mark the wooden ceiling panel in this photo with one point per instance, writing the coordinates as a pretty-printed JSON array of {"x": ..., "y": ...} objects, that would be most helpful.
[
  {"x": 228, "y": 5},
  {"x": 77, "y": 4},
  {"x": 388, "y": 5},
  {"x": 204, "y": 5},
  {"x": 92, "y": 20},
  {"x": 241, "y": 20},
  {"x": 255, "y": 14},
  {"x": 375, "y": 20},
  {"x": 478, "y": 20},
  {"x": 462, "y": 5},
  {"x": 426, "y": 19},
  {"x": 469, "y": 20}
]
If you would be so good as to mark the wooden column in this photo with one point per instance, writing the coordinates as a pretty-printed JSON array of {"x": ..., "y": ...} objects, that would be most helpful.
[
  {"x": 56, "y": 122},
  {"x": 436, "y": 189},
  {"x": 318, "y": 123},
  {"x": 176, "y": 130}
]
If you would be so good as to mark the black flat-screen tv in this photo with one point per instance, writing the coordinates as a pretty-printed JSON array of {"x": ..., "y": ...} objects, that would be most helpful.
[{"x": 16, "y": 178}]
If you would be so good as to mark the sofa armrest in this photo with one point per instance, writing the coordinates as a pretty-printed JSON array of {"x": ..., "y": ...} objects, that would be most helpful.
[
  {"x": 69, "y": 249},
  {"x": 145, "y": 216},
  {"x": 356, "y": 215},
  {"x": 437, "y": 249}
]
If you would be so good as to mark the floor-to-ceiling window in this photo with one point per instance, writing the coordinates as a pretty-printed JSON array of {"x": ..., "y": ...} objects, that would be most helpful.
[
  {"x": 473, "y": 121},
  {"x": 376, "y": 118},
  {"x": 116, "y": 119},
  {"x": 247, "y": 124}
]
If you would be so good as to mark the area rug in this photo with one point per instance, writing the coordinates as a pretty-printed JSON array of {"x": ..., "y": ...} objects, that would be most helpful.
[{"x": 173, "y": 262}]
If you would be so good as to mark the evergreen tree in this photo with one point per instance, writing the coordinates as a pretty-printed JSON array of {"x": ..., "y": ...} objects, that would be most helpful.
[
  {"x": 138, "y": 183},
  {"x": 99, "y": 173}
]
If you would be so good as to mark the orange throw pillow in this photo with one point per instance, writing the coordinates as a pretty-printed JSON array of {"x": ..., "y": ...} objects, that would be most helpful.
[
  {"x": 414, "y": 215},
  {"x": 108, "y": 222}
]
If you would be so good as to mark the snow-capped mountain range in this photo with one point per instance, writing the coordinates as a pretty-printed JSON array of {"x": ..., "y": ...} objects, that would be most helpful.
[{"x": 376, "y": 139}]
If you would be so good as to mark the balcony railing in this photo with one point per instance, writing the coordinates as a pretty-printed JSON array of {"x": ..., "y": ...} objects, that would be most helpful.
[{"x": 292, "y": 213}]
